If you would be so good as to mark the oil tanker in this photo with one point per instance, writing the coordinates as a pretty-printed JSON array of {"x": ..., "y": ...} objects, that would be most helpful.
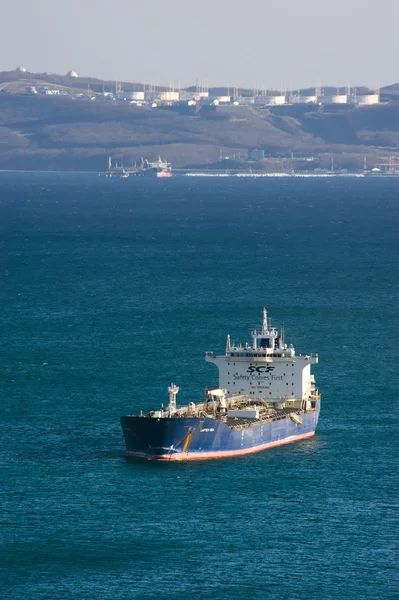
[{"x": 266, "y": 397}]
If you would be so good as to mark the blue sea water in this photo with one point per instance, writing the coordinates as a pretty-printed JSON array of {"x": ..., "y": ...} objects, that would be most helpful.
[{"x": 110, "y": 290}]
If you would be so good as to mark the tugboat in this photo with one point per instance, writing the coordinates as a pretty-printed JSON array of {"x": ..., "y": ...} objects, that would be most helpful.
[{"x": 266, "y": 397}]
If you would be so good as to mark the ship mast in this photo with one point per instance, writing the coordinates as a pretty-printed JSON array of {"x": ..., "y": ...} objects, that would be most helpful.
[
  {"x": 264, "y": 324},
  {"x": 173, "y": 390}
]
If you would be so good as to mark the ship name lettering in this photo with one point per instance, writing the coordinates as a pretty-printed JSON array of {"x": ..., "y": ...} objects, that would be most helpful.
[
  {"x": 261, "y": 369},
  {"x": 206, "y": 429}
]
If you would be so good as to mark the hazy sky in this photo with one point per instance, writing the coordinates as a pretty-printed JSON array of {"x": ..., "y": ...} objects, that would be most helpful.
[{"x": 262, "y": 43}]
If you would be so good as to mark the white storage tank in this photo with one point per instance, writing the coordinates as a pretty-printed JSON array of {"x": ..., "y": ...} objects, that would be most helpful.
[
  {"x": 276, "y": 100},
  {"x": 169, "y": 96},
  {"x": 133, "y": 96},
  {"x": 334, "y": 99},
  {"x": 223, "y": 99},
  {"x": 340, "y": 99},
  {"x": 200, "y": 95},
  {"x": 367, "y": 99}
]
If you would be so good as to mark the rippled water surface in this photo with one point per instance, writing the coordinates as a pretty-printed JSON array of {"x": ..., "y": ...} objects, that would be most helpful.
[{"x": 110, "y": 290}]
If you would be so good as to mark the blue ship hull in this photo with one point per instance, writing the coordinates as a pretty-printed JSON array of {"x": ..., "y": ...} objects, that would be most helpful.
[{"x": 203, "y": 438}]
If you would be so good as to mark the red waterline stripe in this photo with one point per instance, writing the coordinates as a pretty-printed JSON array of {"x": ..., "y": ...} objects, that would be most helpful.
[{"x": 221, "y": 454}]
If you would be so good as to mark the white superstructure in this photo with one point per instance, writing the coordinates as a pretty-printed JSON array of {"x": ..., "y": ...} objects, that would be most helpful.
[{"x": 267, "y": 368}]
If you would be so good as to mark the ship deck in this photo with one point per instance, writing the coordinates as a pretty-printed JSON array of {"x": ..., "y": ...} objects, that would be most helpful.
[{"x": 238, "y": 423}]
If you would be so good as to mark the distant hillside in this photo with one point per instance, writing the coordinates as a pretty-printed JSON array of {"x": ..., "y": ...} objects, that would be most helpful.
[
  {"x": 9, "y": 78},
  {"x": 13, "y": 78},
  {"x": 62, "y": 133},
  {"x": 390, "y": 93}
]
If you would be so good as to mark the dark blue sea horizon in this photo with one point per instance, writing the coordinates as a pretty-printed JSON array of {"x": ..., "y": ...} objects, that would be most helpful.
[{"x": 111, "y": 289}]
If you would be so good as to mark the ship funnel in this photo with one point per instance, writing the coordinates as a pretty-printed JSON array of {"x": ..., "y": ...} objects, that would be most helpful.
[{"x": 228, "y": 344}]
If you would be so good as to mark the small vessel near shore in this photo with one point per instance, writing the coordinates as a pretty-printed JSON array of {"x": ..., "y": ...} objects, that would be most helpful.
[
  {"x": 159, "y": 168},
  {"x": 266, "y": 397}
]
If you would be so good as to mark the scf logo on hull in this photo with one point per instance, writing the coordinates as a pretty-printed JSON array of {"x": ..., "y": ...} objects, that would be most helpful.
[{"x": 261, "y": 369}]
